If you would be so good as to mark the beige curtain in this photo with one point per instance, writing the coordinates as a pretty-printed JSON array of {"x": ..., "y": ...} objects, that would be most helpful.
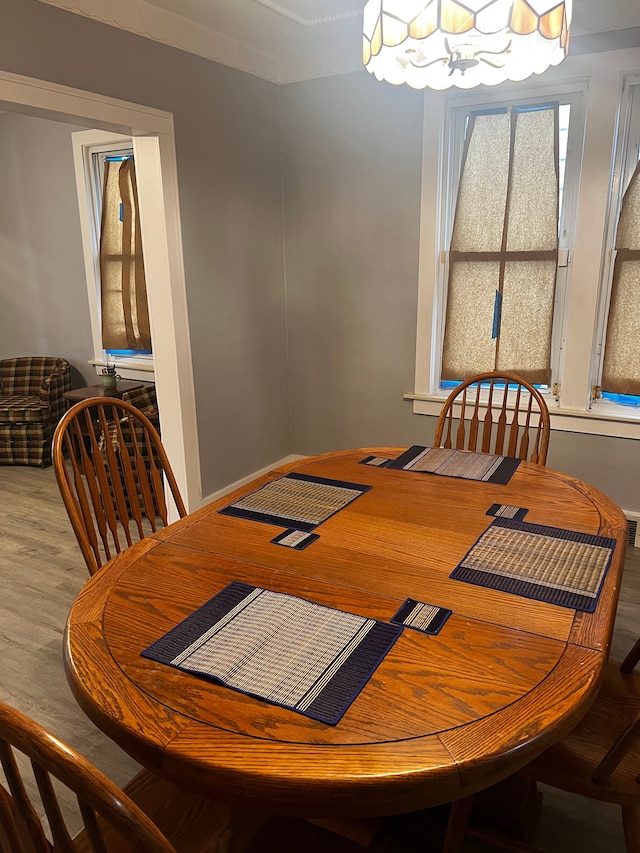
[
  {"x": 125, "y": 315},
  {"x": 621, "y": 367},
  {"x": 504, "y": 247}
]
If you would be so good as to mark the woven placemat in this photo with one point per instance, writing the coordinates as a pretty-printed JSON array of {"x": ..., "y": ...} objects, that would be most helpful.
[
  {"x": 421, "y": 616},
  {"x": 376, "y": 461},
  {"x": 545, "y": 563},
  {"x": 507, "y": 511},
  {"x": 286, "y": 650},
  {"x": 300, "y": 501},
  {"x": 465, "y": 464}
]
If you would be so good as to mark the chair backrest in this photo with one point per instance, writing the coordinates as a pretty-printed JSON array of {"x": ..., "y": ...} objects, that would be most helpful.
[
  {"x": 109, "y": 463},
  {"x": 100, "y": 800},
  {"x": 26, "y": 375},
  {"x": 628, "y": 738},
  {"x": 502, "y": 412}
]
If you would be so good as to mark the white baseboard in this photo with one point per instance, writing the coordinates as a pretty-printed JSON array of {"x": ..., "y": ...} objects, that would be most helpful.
[{"x": 232, "y": 486}]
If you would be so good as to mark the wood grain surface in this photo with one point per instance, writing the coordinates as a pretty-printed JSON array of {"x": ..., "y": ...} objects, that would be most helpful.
[{"x": 442, "y": 716}]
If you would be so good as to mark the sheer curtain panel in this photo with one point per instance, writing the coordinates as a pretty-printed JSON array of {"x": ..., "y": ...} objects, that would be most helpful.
[
  {"x": 504, "y": 247},
  {"x": 125, "y": 316},
  {"x": 622, "y": 348}
]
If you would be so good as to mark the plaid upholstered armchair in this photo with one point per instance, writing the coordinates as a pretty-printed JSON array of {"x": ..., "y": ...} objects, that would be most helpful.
[
  {"x": 31, "y": 404},
  {"x": 145, "y": 399}
]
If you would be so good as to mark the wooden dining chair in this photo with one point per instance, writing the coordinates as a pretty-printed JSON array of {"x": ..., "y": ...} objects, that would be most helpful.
[
  {"x": 496, "y": 413},
  {"x": 598, "y": 759},
  {"x": 111, "y": 469},
  {"x": 149, "y": 814}
]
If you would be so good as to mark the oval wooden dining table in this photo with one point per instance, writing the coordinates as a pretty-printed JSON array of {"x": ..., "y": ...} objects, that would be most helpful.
[{"x": 442, "y": 716}]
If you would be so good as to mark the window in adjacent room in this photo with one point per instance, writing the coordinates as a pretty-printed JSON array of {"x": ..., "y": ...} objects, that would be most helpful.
[
  {"x": 123, "y": 289},
  {"x": 114, "y": 262}
]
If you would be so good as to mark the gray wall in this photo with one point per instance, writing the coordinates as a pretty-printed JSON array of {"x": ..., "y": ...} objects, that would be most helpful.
[
  {"x": 610, "y": 464},
  {"x": 352, "y": 164},
  {"x": 351, "y": 150},
  {"x": 44, "y": 308},
  {"x": 228, "y": 151}
]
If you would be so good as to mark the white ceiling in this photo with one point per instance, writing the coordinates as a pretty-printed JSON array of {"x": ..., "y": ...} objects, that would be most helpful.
[{"x": 287, "y": 40}]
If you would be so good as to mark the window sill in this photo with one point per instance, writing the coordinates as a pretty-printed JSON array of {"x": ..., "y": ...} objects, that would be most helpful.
[
  {"x": 603, "y": 421},
  {"x": 127, "y": 370}
]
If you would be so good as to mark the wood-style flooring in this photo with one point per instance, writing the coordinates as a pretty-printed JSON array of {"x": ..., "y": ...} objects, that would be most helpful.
[{"x": 42, "y": 571}]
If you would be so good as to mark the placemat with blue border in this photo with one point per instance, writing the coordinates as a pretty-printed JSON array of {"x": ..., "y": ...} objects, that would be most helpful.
[
  {"x": 280, "y": 648},
  {"x": 300, "y": 501},
  {"x": 466, "y": 464},
  {"x": 562, "y": 567},
  {"x": 427, "y": 618}
]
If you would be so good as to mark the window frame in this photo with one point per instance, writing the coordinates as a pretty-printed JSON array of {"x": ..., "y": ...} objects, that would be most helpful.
[
  {"x": 624, "y": 164},
  {"x": 88, "y": 148},
  {"x": 601, "y": 77},
  {"x": 457, "y": 112}
]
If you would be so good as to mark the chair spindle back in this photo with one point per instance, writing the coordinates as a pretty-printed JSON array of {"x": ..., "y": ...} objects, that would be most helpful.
[
  {"x": 496, "y": 413},
  {"x": 102, "y": 804},
  {"x": 113, "y": 482}
]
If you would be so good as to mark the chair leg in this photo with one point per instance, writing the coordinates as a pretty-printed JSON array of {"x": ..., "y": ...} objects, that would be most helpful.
[
  {"x": 457, "y": 825},
  {"x": 361, "y": 831},
  {"x": 503, "y": 842},
  {"x": 631, "y": 659},
  {"x": 631, "y": 826}
]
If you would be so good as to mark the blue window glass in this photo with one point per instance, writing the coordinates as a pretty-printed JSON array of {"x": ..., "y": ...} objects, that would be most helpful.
[
  {"x": 448, "y": 384},
  {"x": 127, "y": 352},
  {"x": 622, "y": 399}
]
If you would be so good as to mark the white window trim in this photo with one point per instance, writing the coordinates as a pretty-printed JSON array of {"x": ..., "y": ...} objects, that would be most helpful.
[
  {"x": 573, "y": 95},
  {"x": 602, "y": 75},
  {"x": 85, "y": 143},
  {"x": 624, "y": 166}
]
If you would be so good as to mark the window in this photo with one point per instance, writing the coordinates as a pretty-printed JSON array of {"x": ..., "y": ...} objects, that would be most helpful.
[
  {"x": 123, "y": 288},
  {"x": 504, "y": 247},
  {"x": 114, "y": 265},
  {"x": 617, "y": 363},
  {"x": 506, "y": 213},
  {"x": 589, "y": 90}
]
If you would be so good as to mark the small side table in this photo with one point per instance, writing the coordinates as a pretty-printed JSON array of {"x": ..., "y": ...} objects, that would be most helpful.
[{"x": 79, "y": 394}]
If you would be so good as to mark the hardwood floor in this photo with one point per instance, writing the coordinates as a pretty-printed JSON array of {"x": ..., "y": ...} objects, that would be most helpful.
[{"x": 42, "y": 571}]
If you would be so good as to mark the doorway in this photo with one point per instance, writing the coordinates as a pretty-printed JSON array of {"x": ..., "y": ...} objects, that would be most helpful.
[{"x": 154, "y": 145}]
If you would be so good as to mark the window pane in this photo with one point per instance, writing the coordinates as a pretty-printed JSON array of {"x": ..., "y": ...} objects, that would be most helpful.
[
  {"x": 483, "y": 186},
  {"x": 527, "y": 314},
  {"x": 533, "y": 200},
  {"x": 468, "y": 345},
  {"x": 125, "y": 318},
  {"x": 505, "y": 239},
  {"x": 628, "y": 234},
  {"x": 621, "y": 370},
  {"x": 621, "y": 357}
]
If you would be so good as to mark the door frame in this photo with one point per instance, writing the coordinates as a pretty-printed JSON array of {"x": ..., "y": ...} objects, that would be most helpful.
[{"x": 152, "y": 132}]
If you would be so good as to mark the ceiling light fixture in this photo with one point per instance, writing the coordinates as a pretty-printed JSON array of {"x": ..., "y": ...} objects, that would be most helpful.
[{"x": 443, "y": 43}]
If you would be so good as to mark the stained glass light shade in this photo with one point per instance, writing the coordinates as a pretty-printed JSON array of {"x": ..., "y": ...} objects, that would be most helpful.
[{"x": 443, "y": 43}]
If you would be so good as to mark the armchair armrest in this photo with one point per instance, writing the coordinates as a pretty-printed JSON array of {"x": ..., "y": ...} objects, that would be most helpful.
[
  {"x": 52, "y": 390},
  {"x": 145, "y": 400}
]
